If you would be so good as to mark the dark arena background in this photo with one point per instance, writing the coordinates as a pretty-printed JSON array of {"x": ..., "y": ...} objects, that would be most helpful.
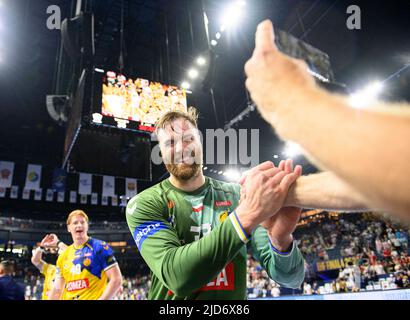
[{"x": 71, "y": 138}]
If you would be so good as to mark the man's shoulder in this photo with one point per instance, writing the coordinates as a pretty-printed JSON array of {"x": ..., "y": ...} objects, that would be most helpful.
[
  {"x": 65, "y": 252},
  {"x": 154, "y": 192},
  {"x": 152, "y": 197},
  {"x": 98, "y": 244},
  {"x": 228, "y": 187}
]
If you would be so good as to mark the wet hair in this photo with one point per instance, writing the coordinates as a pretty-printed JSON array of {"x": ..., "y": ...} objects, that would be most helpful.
[
  {"x": 76, "y": 213},
  {"x": 191, "y": 115}
]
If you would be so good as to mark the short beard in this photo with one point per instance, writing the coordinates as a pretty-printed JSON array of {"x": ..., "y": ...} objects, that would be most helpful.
[{"x": 184, "y": 172}]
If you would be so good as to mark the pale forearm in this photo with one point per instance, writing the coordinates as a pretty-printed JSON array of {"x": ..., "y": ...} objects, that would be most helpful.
[
  {"x": 282, "y": 243},
  {"x": 369, "y": 150},
  {"x": 57, "y": 290},
  {"x": 56, "y": 294},
  {"x": 324, "y": 191},
  {"x": 36, "y": 258}
]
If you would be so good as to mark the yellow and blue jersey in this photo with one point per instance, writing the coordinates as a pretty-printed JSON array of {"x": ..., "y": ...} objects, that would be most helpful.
[
  {"x": 83, "y": 269},
  {"x": 49, "y": 271}
]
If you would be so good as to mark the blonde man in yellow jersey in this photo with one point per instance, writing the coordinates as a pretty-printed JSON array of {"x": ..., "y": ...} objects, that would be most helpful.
[
  {"x": 87, "y": 269},
  {"x": 46, "y": 269}
]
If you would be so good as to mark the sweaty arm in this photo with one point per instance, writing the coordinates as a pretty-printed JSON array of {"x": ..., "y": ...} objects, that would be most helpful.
[
  {"x": 325, "y": 191},
  {"x": 368, "y": 149},
  {"x": 58, "y": 288},
  {"x": 180, "y": 267},
  {"x": 285, "y": 269},
  {"x": 37, "y": 260},
  {"x": 114, "y": 282}
]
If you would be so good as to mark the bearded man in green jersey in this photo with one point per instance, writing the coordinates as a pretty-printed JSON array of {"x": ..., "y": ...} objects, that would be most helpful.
[{"x": 193, "y": 231}]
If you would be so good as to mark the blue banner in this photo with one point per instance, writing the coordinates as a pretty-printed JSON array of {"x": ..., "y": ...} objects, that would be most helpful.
[{"x": 59, "y": 180}]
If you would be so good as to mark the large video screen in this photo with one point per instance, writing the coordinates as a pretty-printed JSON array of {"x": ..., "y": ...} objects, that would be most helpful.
[{"x": 139, "y": 99}]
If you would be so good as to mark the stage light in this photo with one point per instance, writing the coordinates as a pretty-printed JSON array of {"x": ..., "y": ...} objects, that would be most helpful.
[
  {"x": 193, "y": 73},
  {"x": 185, "y": 85},
  {"x": 214, "y": 42},
  {"x": 368, "y": 95},
  {"x": 201, "y": 61},
  {"x": 218, "y": 36},
  {"x": 220, "y": 172},
  {"x": 232, "y": 14},
  {"x": 99, "y": 70},
  {"x": 223, "y": 27},
  {"x": 205, "y": 168},
  {"x": 276, "y": 156},
  {"x": 232, "y": 175},
  {"x": 97, "y": 118},
  {"x": 292, "y": 150}
]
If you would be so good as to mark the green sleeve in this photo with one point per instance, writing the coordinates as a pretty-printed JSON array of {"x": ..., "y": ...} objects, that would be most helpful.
[
  {"x": 287, "y": 270},
  {"x": 181, "y": 268}
]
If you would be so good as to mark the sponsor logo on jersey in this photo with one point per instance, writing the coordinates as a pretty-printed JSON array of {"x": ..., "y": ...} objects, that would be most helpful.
[
  {"x": 225, "y": 281},
  {"x": 223, "y": 216},
  {"x": 198, "y": 208},
  {"x": 86, "y": 262},
  {"x": 226, "y": 203},
  {"x": 147, "y": 229},
  {"x": 77, "y": 285}
]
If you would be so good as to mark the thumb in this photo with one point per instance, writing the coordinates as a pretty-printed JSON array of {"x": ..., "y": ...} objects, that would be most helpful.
[{"x": 265, "y": 38}]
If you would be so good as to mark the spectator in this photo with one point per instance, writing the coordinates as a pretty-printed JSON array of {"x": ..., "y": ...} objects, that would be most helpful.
[{"x": 9, "y": 288}]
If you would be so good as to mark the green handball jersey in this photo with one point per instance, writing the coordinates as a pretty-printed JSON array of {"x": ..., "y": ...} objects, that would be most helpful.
[{"x": 195, "y": 246}]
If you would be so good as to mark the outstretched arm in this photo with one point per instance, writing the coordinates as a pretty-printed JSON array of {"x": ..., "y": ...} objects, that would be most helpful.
[
  {"x": 325, "y": 191},
  {"x": 368, "y": 149}
]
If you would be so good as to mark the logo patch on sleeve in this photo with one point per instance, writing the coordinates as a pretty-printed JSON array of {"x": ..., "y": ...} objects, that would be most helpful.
[
  {"x": 147, "y": 229},
  {"x": 225, "y": 281}
]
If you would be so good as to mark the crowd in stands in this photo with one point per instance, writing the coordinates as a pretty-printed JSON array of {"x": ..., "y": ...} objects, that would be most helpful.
[{"x": 373, "y": 255}]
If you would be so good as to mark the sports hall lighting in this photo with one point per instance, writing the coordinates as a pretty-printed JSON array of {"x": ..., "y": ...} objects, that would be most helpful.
[
  {"x": 232, "y": 14},
  {"x": 201, "y": 61},
  {"x": 292, "y": 150},
  {"x": 232, "y": 175},
  {"x": 368, "y": 95},
  {"x": 193, "y": 73},
  {"x": 185, "y": 85}
]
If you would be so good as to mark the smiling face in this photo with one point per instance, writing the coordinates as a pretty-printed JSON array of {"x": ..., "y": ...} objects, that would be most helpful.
[
  {"x": 78, "y": 227},
  {"x": 181, "y": 148}
]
